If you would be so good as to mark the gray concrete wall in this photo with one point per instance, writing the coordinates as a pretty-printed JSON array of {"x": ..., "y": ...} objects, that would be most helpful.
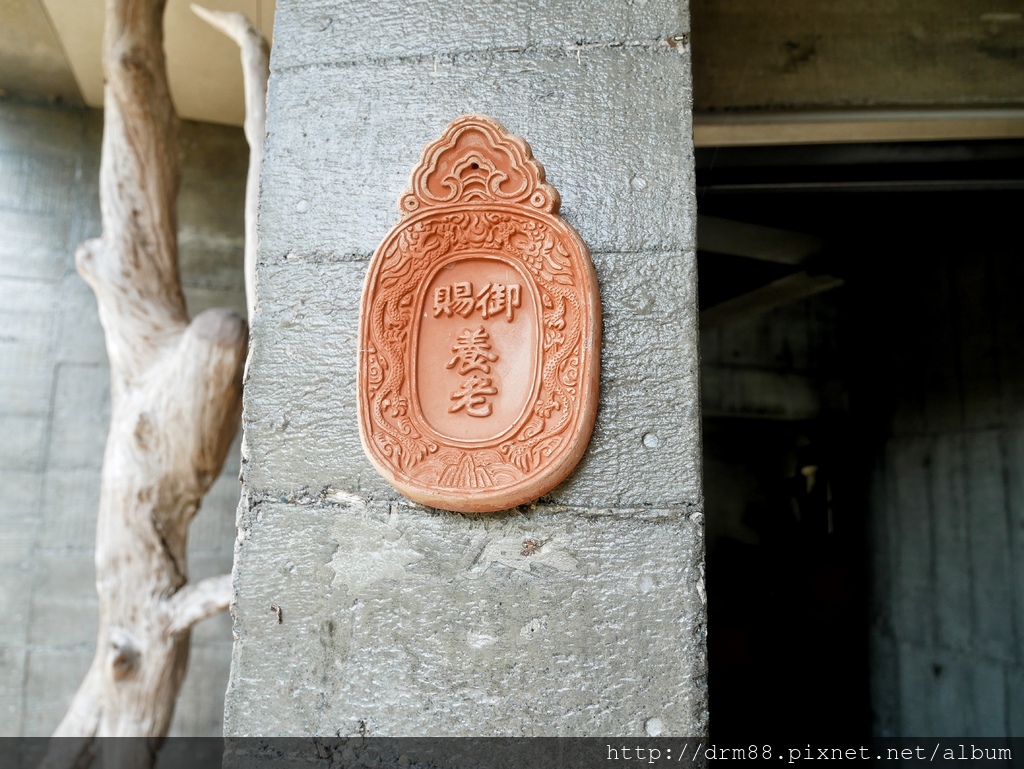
[
  {"x": 403, "y": 620},
  {"x": 54, "y": 405},
  {"x": 947, "y": 506}
]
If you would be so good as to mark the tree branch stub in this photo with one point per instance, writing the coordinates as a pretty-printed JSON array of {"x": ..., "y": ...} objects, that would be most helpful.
[{"x": 255, "y": 53}]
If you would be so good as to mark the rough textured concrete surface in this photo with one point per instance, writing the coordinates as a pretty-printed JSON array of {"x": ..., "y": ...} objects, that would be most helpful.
[
  {"x": 582, "y": 614},
  {"x": 430, "y": 623},
  {"x": 54, "y": 405}
]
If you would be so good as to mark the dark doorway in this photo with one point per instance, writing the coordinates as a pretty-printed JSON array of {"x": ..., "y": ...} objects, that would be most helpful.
[{"x": 825, "y": 287}]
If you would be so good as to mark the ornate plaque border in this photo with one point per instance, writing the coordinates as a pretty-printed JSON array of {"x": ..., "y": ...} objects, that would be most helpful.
[{"x": 478, "y": 192}]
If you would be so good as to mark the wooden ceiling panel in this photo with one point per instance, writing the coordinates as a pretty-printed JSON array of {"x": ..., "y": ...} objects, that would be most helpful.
[
  {"x": 31, "y": 60},
  {"x": 203, "y": 65}
]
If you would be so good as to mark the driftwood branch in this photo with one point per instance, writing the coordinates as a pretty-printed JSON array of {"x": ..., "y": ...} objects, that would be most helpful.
[
  {"x": 255, "y": 72},
  {"x": 175, "y": 404},
  {"x": 198, "y": 601}
]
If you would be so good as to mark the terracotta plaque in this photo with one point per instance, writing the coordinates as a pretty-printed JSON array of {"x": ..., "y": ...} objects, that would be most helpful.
[{"x": 479, "y": 331}]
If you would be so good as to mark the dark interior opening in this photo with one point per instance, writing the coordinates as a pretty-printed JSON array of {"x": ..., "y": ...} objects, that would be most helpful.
[{"x": 835, "y": 417}]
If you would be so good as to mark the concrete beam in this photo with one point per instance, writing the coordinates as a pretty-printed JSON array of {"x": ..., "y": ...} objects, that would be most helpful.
[
  {"x": 803, "y": 54},
  {"x": 778, "y": 293},
  {"x": 855, "y": 125},
  {"x": 769, "y": 244}
]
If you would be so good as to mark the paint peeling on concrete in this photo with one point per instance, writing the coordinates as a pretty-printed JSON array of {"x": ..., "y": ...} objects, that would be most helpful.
[
  {"x": 357, "y": 567},
  {"x": 522, "y": 551}
]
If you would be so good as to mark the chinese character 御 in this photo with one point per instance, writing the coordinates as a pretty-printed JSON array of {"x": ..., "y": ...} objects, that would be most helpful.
[
  {"x": 513, "y": 301},
  {"x": 472, "y": 352},
  {"x": 495, "y": 297},
  {"x": 471, "y": 396}
]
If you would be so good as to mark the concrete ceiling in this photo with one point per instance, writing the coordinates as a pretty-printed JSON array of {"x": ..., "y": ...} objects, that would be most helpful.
[
  {"x": 794, "y": 72},
  {"x": 52, "y": 48}
]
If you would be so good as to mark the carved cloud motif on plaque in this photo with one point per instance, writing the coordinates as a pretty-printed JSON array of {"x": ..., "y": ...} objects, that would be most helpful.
[{"x": 479, "y": 330}]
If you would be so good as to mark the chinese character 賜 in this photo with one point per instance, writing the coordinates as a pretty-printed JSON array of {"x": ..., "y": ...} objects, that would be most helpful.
[
  {"x": 472, "y": 351},
  {"x": 457, "y": 298}
]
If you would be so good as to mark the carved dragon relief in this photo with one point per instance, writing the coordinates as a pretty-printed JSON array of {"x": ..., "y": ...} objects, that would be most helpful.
[{"x": 478, "y": 209}]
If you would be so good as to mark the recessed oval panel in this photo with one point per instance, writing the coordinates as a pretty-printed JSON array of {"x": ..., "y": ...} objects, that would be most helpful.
[
  {"x": 479, "y": 330},
  {"x": 476, "y": 350}
]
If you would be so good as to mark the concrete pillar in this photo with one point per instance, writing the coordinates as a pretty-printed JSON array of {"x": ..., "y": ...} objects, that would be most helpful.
[{"x": 402, "y": 620}]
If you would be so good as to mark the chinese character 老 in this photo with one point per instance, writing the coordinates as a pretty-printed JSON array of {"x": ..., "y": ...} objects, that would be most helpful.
[{"x": 471, "y": 396}]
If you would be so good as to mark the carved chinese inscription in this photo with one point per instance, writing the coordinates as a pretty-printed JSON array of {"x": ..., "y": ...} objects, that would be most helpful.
[
  {"x": 473, "y": 353},
  {"x": 493, "y": 298},
  {"x": 479, "y": 330}
]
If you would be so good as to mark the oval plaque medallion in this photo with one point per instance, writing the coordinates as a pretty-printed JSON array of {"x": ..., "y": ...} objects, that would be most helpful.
[{"x": 479, "y": 330}]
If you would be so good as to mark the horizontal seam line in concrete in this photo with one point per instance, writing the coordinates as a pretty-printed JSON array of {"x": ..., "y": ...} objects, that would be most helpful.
[
  {"x": 67, "y": 648},
  {"x": 40, "y": 155},
  {"x": 213, "y": 243},
  {"x": 220, "y": 291},
  {"x": 33, "y": 279},
  {"x": 659, "y": 45},
  {"x": 19, "y": 208},
  {"x": 75, "y": 549},
  {"x": 965, "y": 654},
  {"x": 350, "y": 257},
  {"x": 1012, "y": 425},
  {"x": 306, "y": 497},
  {"x": 49, "y": 212},
  {"x": 763, "y": 368}
]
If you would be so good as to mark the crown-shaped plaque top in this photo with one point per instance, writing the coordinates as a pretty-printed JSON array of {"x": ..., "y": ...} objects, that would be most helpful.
[
  {"x": 480, "y": 329},
  {"x": 477, "y": 160}
]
